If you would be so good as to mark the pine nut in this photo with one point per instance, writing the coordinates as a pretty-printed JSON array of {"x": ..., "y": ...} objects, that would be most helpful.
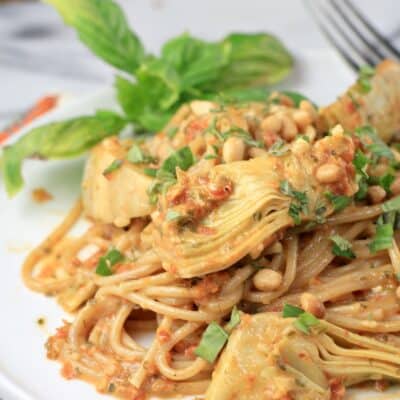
[
  {"x": 267, "y": 279},
  {"x": 305, "y": 105},
  {"x": 328, "y": 173},
  {"x": 271, "y": 124},
  {"x": 289, "y": 129},
  {"x": 233, "y": 150},
  {"x": 376, "y": 194},
  {"x": 312, "y": 304},
  {"x": 302, "y": 119}
]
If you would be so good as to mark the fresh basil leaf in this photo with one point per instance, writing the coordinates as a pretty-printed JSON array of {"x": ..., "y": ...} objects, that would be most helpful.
[
  {"x": 151, "y": 101},
  {"x": 212, "y": 342},
  {"x": 383, "y": 238},
  {"x": 341, "y": 247},
  {"x": 57, "y": 140},
  {"x": 255, "y": 59},
  {"x": 290, "y": 311},
  {"x": 197, "y": 62},
  {"x": 102, "y": 26}
]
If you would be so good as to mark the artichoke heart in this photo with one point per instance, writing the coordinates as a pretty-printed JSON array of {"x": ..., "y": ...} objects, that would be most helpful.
[
  {"x": 268, "y": 358},
  {"x": 207, "y": 223},
  {"x": 375, "y": 105}
]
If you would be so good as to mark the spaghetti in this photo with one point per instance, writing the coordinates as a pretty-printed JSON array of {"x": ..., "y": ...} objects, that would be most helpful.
[{"x": 177, "y": 272}]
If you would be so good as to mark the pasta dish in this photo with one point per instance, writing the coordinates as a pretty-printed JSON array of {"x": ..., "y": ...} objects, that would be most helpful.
[{"x": 256, "y": 240}]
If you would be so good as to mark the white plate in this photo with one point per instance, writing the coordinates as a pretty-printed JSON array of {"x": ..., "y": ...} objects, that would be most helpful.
[{"x": 25, "y": 373}]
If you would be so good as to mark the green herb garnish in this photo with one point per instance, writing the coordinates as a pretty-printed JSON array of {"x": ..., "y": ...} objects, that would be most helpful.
[
  {"x": 383, "y": 238},
  {"x": 304, "y": 320},
  {"x": 212, "y": 342},
  {"x": 137, "y": 156},
  {"x": 234, "y": 320},
  {"x": 108, "y": 261},
  {"x": 116, "y": 164},
  {"x": 392, "y": 204},
  {"x": 298, "y": 205},
  {"x": 341, "y": 247},
  {"x": 338, "y": 202},
  {"x": 278, "y": 148},
  {"x": 290, "y": 311},
  {"x": 372, "y": 142}
]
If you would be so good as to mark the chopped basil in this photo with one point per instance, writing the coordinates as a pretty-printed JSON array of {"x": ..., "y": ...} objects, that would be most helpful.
[
  {"x": 173, "y": 215},
  {"x": 364, "y": 78},
  {"x": 290, "y": 311},
  {"x": 386, "y": 181},
  {"x": 278, "y": 148},
  {"x": 215, "y": 337},
  {"x": 234, "y": 320},
  {"x": 172, "y": 131},
  {"x": 210, "y": 157},
  {"x": 244, "y": 135},
  {"x": 106, "y": 262},
  {"x": 392, "y": 204},
  {"x": 116, "y": 164},
  {"x": 182, "y": 158},
  {"x": 166, "y": 174},
  {"x": 338, "y": 202},
  {"x": 137, "y": 156},
  {"x": 361, "y": 162},
  {"x": 150, "y": 172},
  {"x": 320, "y": 211},
  {"x": 212, "y": 342},
  {"x": 372, "y": 142},
  {"x": 294, "y": 212},
  {"x": 383, "y": 238},
  {"x": 298, "y": 205},
  {"x": 341, "y": 247},
  {"x": 305, "y": 321}
]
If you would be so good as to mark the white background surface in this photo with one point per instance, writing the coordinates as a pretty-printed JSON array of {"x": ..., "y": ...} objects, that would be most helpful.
[{"x": 33, "y": 63}]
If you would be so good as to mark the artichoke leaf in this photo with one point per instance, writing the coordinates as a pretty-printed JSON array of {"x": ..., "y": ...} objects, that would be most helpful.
[
  {"x": 255, "y": 212},
  {"x": 271, "y": 356}
]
